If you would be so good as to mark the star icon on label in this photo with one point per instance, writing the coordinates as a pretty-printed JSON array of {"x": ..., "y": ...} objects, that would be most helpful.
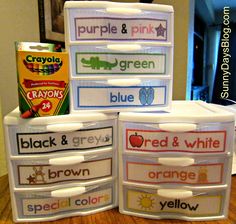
[
  {"x": 160, "y": 30},
  {"x": 31, "y": 179}
]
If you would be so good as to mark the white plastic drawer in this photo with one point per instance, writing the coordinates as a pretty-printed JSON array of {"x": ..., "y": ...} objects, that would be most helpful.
[
  {"x": 41, "y": 138},
  {"x": 123, "y": 60},
  {"x": 101, "y": 21},
  {"x": 174, "y": 203},
  {"x": 183, "y": 171},
  {"x": 63, "y": 170},
  {"x": 120, "y": 94},
  {"x": 37, "y": 206},
  {"x": 177, "y": 137}
]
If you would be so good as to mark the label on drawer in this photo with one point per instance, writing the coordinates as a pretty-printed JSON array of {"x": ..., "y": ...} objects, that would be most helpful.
[
  {"x": 135, "y": 96},
  {"x": 108, "y": 28},
  {"x": 49, "y": 206},
  {"x": 161, "y": 141},
  {"x": 45, "y": 142},
  {"x": 201, "y": 174},
  {"x": 119, "y": 63},
  {"x": 206, "y": 205},
  {"x": 46, "y": 174}
]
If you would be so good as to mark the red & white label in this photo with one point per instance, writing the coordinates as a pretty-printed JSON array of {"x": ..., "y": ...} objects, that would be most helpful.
[{"x": 161, "y": 141}]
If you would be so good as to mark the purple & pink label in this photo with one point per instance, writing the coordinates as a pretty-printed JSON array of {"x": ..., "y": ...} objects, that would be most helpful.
[{"x": 109, "y": 28}]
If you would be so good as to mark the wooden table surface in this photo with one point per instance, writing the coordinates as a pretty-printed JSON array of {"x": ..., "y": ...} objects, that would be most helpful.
[{"x": 111, "y": 216}]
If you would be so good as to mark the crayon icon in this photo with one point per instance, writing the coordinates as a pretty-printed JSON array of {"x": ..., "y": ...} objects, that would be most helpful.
[
  {"x": 36, "y": 68},
  {"x": 45, "y": 70},
  {"x": 40, "y": 69},
  {"x": 31, "y": 112}
]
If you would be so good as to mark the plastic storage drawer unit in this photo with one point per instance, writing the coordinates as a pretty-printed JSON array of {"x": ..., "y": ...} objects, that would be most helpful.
[
  {"x": 121, "y": 56},
  {"x": 35, "y": 206},
  {"x": 120, "y": 95},
  {"x": 35, "y": 172},
  {"x": 194, "y": 171},
  {"x": 192, "y": 127},
  {"x": 61, "y": 166},
  {"x": 87, "y": 132},
  {"x": 120, "y": 61},
  {"x": 108, "y": 21},
  {"x": 175, "y": 203},
  {"x": 174, "y": 165}
]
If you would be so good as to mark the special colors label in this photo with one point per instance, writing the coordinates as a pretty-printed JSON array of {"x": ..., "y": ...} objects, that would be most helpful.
[
  {"x": 110, "y": 28},
  {"x": 50, "y": 206},
  {"x": 161, "y": 141},
  {"x": 46, "y": 174},
  {"x": 45, "y": 142},
  {"x": 43, "y": 82},
  {"x": 200, "y": 174},
  {"x": 139, "y": 201},
  {"x": 119, "y": 63},
  {"x": 134, "y": 96}
]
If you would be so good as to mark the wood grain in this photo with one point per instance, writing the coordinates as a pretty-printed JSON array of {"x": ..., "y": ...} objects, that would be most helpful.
[{"x": 108, "y": 217}]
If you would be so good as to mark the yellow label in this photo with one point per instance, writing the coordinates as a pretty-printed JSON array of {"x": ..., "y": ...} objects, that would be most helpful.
[
  {"x": 140, "y": 201},
  {"x": 42, "y": 83}
]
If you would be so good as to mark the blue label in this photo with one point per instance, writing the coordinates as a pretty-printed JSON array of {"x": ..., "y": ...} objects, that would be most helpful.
[{"x": 135, "y": 96}]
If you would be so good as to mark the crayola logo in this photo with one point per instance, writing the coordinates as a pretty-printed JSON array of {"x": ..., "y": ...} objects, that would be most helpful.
[
  {"x": 39, "y": 65},
  {"x": 43, "y": 60}
]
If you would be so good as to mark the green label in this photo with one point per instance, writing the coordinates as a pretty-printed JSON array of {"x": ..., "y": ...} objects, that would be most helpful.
[{"x": 120, "y": 63}]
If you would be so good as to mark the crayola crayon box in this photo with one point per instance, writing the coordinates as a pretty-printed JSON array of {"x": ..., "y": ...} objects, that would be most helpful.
[{"x": 42, "y": 74}]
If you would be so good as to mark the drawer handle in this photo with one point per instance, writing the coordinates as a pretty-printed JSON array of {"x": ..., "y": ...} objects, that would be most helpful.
[
  {"x": 69, "y": 160},
  {"x": 124, "y": 47},
  {"x": 122, "y": 10},
  {"x": 68, "y": 192},
  {"x": 177, "y": 127},
  {"x": 175, "y": 193},
  {"x": 181, "y": 161},
  {"x": 66, "y": 127},
  {"x": 123, "y": 82}
]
